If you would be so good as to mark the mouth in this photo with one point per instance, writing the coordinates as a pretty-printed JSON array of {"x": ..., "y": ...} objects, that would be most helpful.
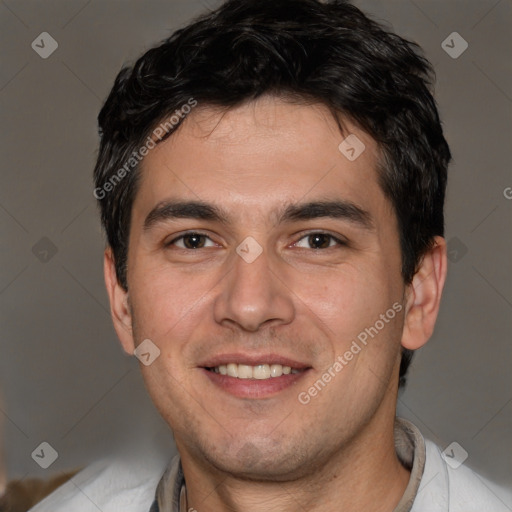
[
  {"x": 260, "y": 371},
  {"x": 254, "y": 376}
]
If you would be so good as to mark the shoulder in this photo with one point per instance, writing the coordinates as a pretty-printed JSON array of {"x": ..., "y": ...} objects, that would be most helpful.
[
  {"x": 452, "y": 487},
  {"x": 109, "y": 485}
]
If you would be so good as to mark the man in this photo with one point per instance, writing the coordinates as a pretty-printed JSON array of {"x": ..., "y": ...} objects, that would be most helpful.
[{"x": 271, "y": 180}]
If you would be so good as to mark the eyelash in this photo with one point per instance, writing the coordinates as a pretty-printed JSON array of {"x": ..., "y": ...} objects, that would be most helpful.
[
  {"x": 339, "y": 242},
  {"x": 181, "y": 237}
]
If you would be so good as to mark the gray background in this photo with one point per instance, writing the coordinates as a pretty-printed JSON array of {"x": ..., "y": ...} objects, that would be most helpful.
[{"x": 64, "y": 377}]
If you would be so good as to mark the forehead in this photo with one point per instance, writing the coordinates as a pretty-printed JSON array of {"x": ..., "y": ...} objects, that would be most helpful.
[{"x": 260, "y": 155}]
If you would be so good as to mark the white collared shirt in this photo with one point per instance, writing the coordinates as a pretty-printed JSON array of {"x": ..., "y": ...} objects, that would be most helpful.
[{"x": 123, "y": 486}]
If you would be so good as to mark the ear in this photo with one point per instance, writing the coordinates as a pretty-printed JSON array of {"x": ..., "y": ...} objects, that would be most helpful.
[
  {"x": 424, "y": 296},
  {"x": 119, "y": 308}
]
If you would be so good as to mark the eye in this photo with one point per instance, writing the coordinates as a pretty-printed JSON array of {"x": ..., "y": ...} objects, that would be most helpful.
[
  {"x": 318, "y": 241},
  {"x": 191, "y": 241}
]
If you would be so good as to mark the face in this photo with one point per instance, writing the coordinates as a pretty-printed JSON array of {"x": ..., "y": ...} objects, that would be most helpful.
[{"x": 258, "y": 249}]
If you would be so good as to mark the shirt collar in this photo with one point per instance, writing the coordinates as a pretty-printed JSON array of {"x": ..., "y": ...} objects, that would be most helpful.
[
  {"x": 171, "y": 494},
  {"x": 410, "y": 449}
]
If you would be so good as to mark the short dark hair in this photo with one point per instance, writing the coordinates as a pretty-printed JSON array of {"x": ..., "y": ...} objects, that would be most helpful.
[{"x": 308, "y": 50}]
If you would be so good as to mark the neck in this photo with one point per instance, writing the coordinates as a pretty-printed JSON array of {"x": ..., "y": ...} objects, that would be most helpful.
[{"x": 366, "y": 475}]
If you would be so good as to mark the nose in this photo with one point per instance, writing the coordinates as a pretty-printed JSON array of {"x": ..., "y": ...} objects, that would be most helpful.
[{"x": 253, "y": 295}]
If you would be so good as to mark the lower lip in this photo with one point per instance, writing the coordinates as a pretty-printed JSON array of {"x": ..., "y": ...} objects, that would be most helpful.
[{"x": 254, "y": 388}]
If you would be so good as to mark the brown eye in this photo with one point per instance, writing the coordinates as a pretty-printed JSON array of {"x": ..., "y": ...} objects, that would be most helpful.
[
  {"x": 191, "y": 241},
  {"x": 194, "y": 241},
  {"x": 319, "y": 241}
]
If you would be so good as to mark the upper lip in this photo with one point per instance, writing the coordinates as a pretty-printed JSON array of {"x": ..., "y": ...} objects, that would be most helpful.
[{"x": 252, "y": 360}]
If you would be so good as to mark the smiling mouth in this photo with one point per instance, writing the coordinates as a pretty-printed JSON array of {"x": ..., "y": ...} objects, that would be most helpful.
[{"x": 256, "y": 372}]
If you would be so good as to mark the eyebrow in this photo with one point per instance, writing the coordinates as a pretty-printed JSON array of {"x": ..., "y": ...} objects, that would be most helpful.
[
  {"x": 339, "y": 209},
  {"x": 169, "y": 210}
]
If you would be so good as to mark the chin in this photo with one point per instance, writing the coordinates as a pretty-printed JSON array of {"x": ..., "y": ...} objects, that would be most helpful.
[{"x": 255, "y": 463}]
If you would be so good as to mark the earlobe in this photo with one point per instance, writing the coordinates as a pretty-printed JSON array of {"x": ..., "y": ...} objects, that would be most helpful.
[
  {"x": 424, "y": 296},
  {"x": 119, "y": 306}
]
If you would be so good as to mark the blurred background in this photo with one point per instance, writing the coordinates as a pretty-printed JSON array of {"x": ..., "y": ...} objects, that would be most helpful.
[{"x": 64, "y": 378}]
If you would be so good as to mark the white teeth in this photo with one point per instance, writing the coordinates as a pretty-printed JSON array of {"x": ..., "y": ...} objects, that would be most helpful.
[
  {"x": 260, "y": 371},
  {"x": 276, "y": 370},
  {"x": 232, "y": 369},
  {"x": 244, "y": 371}
]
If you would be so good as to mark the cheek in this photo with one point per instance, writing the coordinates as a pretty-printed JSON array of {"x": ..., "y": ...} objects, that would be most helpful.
[
  {"x": 346, "y": 300},
  {"x": 166, "y": 305}
]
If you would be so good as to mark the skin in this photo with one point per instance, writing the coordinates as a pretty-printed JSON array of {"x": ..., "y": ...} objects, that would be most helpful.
[{"x": 336, "y": 452}]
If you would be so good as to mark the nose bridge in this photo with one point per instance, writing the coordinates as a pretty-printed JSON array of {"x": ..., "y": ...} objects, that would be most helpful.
[
  {"x": 252, "y": 276},
  {"x": 252, "y": 293}
]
